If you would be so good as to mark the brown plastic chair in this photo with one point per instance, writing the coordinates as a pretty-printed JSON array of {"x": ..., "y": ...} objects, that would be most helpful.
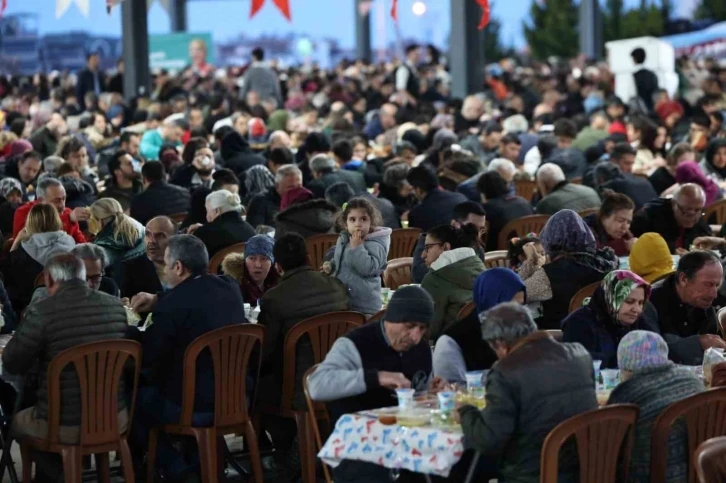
[
  {"x": 466, "y": 310},
  {"x": 403, "y": 241},
  {"x": 705, "y": 417},
  {"x": 219, "y": 257},
  {"x": 525, "y": 189},
  {"x": 376, "y": 317},
  {"x": 318, "y": 246},
  {"x": 317, "y": 412},
  {"x": 230, "y": 349},
  {"x": 496, "y": 258},
  {"x": 178, "y": 218},
  {"x": 604, "y": 440},
  {"x": 718, "y": 210},
  {"x": 99, "y": 367},
  {"x": 322, "y": 331},
  {"x": 398, "y": 272},
  {"x": 588, "y": 212},
  {"x": 710, "y": 460},
  {"x": 520, "y": 227},
  {"x": 579, "y": 298}
]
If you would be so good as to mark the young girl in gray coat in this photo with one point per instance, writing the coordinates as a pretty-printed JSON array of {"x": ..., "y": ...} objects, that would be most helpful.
[{"x": 361, "y": 254}]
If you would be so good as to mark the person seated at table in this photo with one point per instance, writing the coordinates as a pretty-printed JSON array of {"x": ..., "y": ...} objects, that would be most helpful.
[
  {"x": 574, "y": 262},
  {"x": 460, "y": 348},
  {"x": 611, "y": 226},
  {"x": 679, "y": 220},
  {"x": 558, "y": 193},
  {"x": 652, "y": 382},
  {"x": 500, "y": 205},
  {"x": 253, "y": 268},
  {"x": 690, "y": 172},
  {"x": 650, "y": 258},
  {"x": 453, "y": 266},
  {"x": 618, "y": 307},
  {"x": 225, "y": 225},
  {"x": 41, "y": 238},
  {"x": 364, "y": 367},
  {"x": 196, "y": 303},
  {"x": 684, "y": 301},
  {"x": 146, "y": 273},
  {"x": 537, "y": 383},
  {"x": 121, "y": 236},
  {"x": 515, "y": 253},
  {"x": 53, "y": 325}
]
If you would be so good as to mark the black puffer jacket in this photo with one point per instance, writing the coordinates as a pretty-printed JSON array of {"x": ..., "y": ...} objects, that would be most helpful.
[
  {"x": 238, "y": 156},
  {"x": 79, "y": 193},
  {"x": 159, "y": 198},
  {"x": 310, "y": 218},
  {"x": 76, "y": 315},
  {"x": 535, "y": 387}
]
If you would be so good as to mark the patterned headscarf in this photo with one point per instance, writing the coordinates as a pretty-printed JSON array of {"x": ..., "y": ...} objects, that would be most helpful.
[
  {"x": 258, "y": 179},
  {"x": 616, "y": 287},
  {"x": 565, "y": 232}
]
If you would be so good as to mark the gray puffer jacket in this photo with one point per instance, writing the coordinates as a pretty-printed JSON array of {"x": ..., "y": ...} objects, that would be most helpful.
[
  {"x": 43, "y": 246},
  {"x": 75, "y": 315},
  {"x": 360, "y": 268}
]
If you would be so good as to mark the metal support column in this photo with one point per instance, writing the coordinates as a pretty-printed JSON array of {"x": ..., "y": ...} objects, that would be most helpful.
[
  {"x": 591, "y": 40},
  {"x": 466, "y": 48},
  {"x": 178, "y": 15},
  {"x": 135, "y": 41},
  {"x": 362, "y": 32}
]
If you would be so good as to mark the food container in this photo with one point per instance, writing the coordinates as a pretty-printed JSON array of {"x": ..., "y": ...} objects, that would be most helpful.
[
  {"x": 414, "y": 417},
  {"x": 405, "y": 398},
  {"x": 388, "y": 417},
  {"x": 475, "y": 384},
  {"x": 447, "y": 400}
]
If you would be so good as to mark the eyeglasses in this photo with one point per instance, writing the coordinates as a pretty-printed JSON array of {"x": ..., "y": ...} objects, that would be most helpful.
[
  {"x": 94, "y": 279},
  {"x": 427, "y": 247},
  {"x": 689, "y": 211}
]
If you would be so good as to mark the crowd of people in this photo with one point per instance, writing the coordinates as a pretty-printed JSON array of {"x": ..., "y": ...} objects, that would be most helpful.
[{"x": 110, "y": 206}]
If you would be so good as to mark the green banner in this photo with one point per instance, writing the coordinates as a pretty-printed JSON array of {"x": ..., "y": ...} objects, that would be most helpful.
[{"x": 175, "y": 51}]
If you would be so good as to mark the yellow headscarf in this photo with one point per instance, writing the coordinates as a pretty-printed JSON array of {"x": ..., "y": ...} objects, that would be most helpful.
[{"x": 650, "y": 257}]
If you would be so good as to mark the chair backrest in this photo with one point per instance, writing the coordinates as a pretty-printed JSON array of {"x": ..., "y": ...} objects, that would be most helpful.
[
  {"x": 316, "y": 412},
  {"x": 398, "y": 272},
  {"x": 403, "y": 241},
  {"x": 317, "y": 246},
  {"x": 322, "y": 331},
  {"x": 520, "y": 227},
  {"x": 577, "y": 300},
  {"x": 99, "y": 367},
  {"x": 496, "y": 258},
  {"x": 604, "y": 438},
  {"x": 377, "y": 317},
  {"x": 705, "y": 417},
  {"x": 219, "y": 257},
  {"x": 717, "y": 209},
  {"x": 588, "y": 212},
  {"x": 230, "y": 348},
  {"x": 710, "y": 460},
  {"x": 525, "y": 189},
  {"x": 466, "y": 310}
]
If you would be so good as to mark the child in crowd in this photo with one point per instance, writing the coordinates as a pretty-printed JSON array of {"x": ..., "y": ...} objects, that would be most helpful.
[
  {"x": 361, "y": 254},
  {"x": 516, "y": 253}
]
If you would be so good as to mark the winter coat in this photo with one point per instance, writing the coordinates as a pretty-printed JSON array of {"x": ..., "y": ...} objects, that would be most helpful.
[
  {"x": 450, "y": 282},
  {"x": 360, "y": 268},
  {"x": 354, "y": 179},
  {"x": 227, "y": 229},
  {"x": 234, "y": 266},
  {"x": 79, "y": 193},
  {"x": 263, "y": 208},
  {"x": 436, "y": 209},
  {"x": 71, "y": 228},
  {"x": 238, "y": 156},
  {"x": 117, "y": 249},
  {"x": 310, "y": 218},
  {"x": 122, "y": 195},
  {"x": 567, "y": 195},
  {"x": 657, "y": 217},
  {"x": 159, "y": 198},
  {"x": 54, "y": 325}
]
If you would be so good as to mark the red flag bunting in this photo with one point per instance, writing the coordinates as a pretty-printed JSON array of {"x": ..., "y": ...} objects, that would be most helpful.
[
  {"x": 394, "y": 11},
  {"x": 282, "y": 5},
  {"x": 484, "y": 4}
]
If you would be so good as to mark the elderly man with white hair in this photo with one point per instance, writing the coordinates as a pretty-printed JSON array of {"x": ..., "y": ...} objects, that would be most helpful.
[
  {"x": 558, "y": 193},
  {"x": 225, "y": 225},
  {"x": 264, "y": 207},
  {"x": 279, "y": 139},
  {"x": 503, "y": 166}
]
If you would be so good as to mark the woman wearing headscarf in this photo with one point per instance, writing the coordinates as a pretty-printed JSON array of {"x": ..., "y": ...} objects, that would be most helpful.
[
  {"x": 11, "y": 196},
  {"x": 690, "y": 172},
  {"x": 617, "y": 307},
  {"x": 650, "y": 258},
  {"x": 713, "y": 164},
  {"x": 652, "y": 382},
  {"x": 278, "y": 120},
  {"x": 574, "y": 262},
  {"x": 258, "y": 179},
  {"x": 461, "y": 349}
]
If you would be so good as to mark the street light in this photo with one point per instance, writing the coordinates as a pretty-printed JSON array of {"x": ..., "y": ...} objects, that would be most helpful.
[{"x": 418, "y": 8}]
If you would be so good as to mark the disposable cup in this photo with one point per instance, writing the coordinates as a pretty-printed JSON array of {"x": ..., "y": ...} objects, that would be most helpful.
[
  {"x": 610, "y": 378},
  {"x": 405, "y": 398}
]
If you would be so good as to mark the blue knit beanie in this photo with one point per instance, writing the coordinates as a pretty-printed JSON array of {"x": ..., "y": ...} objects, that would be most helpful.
[{"x": 260, "y": 245}]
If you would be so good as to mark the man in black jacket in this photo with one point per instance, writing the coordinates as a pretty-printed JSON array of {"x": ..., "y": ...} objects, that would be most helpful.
[
  {"x": 264, "y": 207},
  {"x": 90, "y": 79},
  {"x": 123, "y": 183},
  {"x": 158, "y": 197},
  {"x": 197, "y": 303},
  {"x": 237, "y": 154},
  {"x": 646, "y": 82},
  {"x": 326, "y": 173},
  {"x": 436, "y": 205}
]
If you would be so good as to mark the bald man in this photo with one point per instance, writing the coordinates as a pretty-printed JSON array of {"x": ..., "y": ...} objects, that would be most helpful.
[
  {"x": 679, "y": 220},
  {"x": 145, "y": 273},
  {"x": 558, "y": 193},
  {"x": 279, "y": 139}
]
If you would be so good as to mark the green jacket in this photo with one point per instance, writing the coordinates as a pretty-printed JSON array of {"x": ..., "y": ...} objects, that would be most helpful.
[
  {"x": 450, "y": 282},
  {"x": 117, "y": 249}
]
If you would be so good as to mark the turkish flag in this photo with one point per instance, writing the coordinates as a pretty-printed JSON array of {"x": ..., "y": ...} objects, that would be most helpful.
[
  {"x": 484, "y": 4},
  {"x": 394, "y": 11},
  {"x": 282, "y": 5}
]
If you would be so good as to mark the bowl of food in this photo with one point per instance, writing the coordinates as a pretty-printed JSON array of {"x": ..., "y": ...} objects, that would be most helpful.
[{"x": 413, "y": 418}]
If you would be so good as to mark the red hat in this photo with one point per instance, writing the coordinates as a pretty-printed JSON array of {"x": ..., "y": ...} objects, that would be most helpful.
[
  {"x": 294, "y": 196},
  {"x": 617, "y": 127},
  {"x": 667, "y": 108},
  {"x": 257, "y": 129}
]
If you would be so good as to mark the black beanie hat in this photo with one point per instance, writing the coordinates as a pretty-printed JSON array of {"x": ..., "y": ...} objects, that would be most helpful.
[{"x": 410, "y": 304}]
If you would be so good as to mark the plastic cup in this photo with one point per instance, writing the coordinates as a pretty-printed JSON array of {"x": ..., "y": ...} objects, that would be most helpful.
[
  {"x": 405, "y": 398},
  {"x": 447, "y": 400},
  {"x": 610, "y": 378},
  {"x": 475, "y": 383},
  {"x": 596, "y": 368}
]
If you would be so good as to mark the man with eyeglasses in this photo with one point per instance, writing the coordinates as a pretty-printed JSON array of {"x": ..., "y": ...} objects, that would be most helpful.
[{"x": 678, "y": 220}]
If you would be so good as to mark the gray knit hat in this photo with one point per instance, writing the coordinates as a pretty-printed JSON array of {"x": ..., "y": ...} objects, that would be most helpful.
[{"x": 410, "y": 304}]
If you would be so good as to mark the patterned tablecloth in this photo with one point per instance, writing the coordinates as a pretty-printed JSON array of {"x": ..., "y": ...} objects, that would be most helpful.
[{"x": 362, "y": 437}]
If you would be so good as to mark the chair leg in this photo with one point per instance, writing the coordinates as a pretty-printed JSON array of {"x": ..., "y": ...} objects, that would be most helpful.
[
  {"x": 127, "y": 463},
  {"x": 303, "y": 438},
  {"x": 72, "y": 464},
  {"x": 103, "y": 468},
  {"x": 26, "y": 456},
  {"x": 207, "y": 442},
  {"x": 151, "y": 454},
  {"x": 251, "y": 442}
]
